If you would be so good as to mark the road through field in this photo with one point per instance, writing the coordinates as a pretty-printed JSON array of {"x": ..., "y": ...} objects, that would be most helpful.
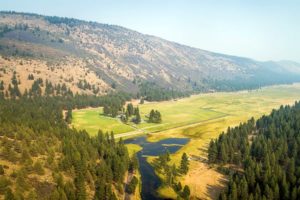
[{"x": 143, "y": 131}]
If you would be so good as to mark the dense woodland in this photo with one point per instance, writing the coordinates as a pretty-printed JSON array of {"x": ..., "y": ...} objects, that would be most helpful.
[
  {"x": 264, "y": 156},
  {"x": 42, "y": 158},
  {"x": 152, "y": 92}
]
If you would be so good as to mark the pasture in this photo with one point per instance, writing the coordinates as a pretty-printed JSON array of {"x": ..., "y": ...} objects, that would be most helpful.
[
  {"x": 192, "y": 111},
  {"x": 92, "y": 120}
]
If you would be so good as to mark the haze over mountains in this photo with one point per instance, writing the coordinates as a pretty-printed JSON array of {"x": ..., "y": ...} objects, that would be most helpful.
[{"x": 109, "y": 57}]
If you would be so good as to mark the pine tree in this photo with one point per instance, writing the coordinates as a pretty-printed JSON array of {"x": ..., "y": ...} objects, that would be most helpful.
[
  {"x": 21, "y": 182},
  {"x": 130, "y": 109},
  {"x": 142, "y": 101},
  {"x": 69, "y": 116},
  {"x": 134, "y": 164},
  {"x": 80, "y": 187},
  {"x": 155, "y": 116},
  {"x": 1, "y": 85},
  {"x": 186, "y": 192},
  {"x": 184, "y": 164},
  {"x": 9, "y": 195},
  {"x": 32, "y": 195},
  {"x": 137, "y": 117},
  {"x": 106, "y": 110},
  {"x": 4, "y": 183},
  {"x": 1, "y": 170},
  {"x": 178, "y": 187},
  {"x": 38, "y": 168},
  {"x": 54, "y": 195},
  {"x": 126, "y": 116},
  {"x": 132, "y": 185},
  {"x": 62, "y": 194},
  {"x": 151, "y": 116},
  {"x": 234, "y": 195},
  {"x": 212, "y": 152},
  {"x": 244, "y": 189},
  {"x": 223, "y": 153},
  {"x": 70, "y": 190}
]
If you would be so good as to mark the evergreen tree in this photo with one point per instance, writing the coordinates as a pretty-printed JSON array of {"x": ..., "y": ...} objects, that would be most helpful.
[
  {"x": 32, "y": 195},
  {"x": 4, "y": 183},
  {"x": 38, "y": 168},
  {"x": 70, "y": 191},
  {"x": 9, "y": 195},
  {"x": 137, "y": 116},
  {"x": 155, "y": 116},
  {"x": 54, "y": 195},
  {"x": 130, "y": 109},
  {"x": 1, "y": 85},
  {"x": 1, "y": 170},
  {"x": 268, "y": 161},
  {"x": 132, "y": 185},
  {"x": 39, "y": 131},
  {"x": 134, "y": 164},
  {"x": 186, "y": 192},
  {"x": 142, "y": 101},
  {"x": 80, "y": 187},
  {"x": 184, "y": 164},
  {"x": 69, "y": 116}
]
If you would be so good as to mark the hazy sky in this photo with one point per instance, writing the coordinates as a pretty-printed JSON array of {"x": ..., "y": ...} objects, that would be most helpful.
[{"x": 259, "y": 29}]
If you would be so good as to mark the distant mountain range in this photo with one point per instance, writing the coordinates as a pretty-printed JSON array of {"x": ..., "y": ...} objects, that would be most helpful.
[{"x": 108, "y": 57}]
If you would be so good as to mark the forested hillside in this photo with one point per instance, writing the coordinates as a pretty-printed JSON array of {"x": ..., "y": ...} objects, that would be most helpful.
[
  {"x": 262, "y": 157},
  {"x": 42, "y": 158},
  {"x": 95, "y": 59}
]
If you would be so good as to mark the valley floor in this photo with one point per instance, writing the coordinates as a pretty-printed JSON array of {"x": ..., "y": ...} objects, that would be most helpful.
[{"x": 201, "y": 118}]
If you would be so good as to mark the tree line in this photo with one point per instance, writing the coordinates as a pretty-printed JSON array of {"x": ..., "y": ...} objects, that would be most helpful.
[
  {"x": 40, "y": 87},
  {"x": 150, "y": 91},
  {"x": 266, "y": 154}
]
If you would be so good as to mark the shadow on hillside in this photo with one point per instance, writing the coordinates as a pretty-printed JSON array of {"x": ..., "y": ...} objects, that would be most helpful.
[
  {"x": 203, "y": 150},
  {"x": 213, "y": 191}
]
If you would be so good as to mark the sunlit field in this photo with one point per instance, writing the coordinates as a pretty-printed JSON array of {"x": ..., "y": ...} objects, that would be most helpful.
[
  {"x": 201, "y": 118},
  {"x": 203, "y": 108}
]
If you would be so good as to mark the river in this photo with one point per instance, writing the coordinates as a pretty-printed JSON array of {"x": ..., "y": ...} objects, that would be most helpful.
[{"x": 151, "y": 182}]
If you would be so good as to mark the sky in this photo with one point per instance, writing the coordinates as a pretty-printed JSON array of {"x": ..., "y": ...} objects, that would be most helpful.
[{"x": 258, "y": 29}]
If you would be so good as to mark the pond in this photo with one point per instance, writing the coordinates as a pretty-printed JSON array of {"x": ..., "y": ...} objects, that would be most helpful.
[{"x": 151, "y": 182}]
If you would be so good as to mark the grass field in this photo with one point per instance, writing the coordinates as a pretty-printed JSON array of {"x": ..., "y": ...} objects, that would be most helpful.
[
  {"x": 175, "y": 114},
  {"x": 189, "y": 111},
  {"x": 201, "y": 118},
  {"x": 91, "y": 120}
]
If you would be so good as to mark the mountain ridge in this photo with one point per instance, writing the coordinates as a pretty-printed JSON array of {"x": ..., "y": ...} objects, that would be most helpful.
[{"x": 119, "y": 58}]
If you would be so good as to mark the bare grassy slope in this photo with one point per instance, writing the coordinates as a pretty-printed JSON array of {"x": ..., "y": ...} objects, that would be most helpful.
[{"x": 125, "y": 57}]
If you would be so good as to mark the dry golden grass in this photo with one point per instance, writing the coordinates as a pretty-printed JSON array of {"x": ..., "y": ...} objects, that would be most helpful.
[
  {"x": 70, "y": 72},
  {"x": 204, "y": 182}
]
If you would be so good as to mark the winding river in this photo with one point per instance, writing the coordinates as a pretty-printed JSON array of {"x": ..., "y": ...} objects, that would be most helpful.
[{"x": 151, "y": 182}]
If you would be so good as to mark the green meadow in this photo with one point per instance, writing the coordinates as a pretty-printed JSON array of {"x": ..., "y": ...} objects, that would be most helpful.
[
  {"x": 191, "y": 111},
  {"x": 92, "y": 120}
]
